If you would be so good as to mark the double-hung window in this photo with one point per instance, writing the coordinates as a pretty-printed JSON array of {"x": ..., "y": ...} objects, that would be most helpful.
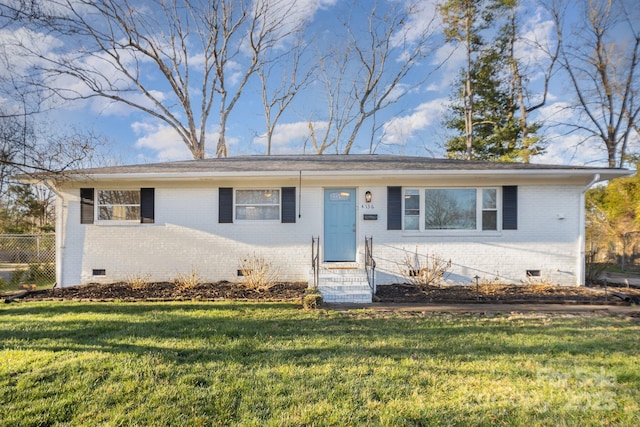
[
  {"x": 118, "y": 205},
  {"x": 430, "y": 209},
  {"x": 257, "y": 205}
]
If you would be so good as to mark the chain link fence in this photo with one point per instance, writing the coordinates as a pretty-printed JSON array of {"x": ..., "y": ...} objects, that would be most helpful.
[{"x": 28, "y": 259}]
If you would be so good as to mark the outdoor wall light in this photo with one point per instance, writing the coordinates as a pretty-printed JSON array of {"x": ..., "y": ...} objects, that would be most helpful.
[{"x": 368, "y": 196}]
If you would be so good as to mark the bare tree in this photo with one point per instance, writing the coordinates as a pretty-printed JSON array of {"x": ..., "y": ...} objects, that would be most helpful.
[
  {"x": 521, "y": 93},
  {"x": 333, "y": 72},
  {"x": 601, "y": 56},
  {"x": 278, "y": 94},
  {"x": 204, "y": 52},
  {"x": 369, "y": 71}
]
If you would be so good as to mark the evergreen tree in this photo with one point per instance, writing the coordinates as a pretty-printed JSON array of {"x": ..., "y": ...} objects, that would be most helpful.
[{"x": 487, "y": 113}]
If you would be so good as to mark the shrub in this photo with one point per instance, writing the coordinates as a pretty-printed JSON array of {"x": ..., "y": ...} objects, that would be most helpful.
[
  {"x": 188, "y": 280},
  {"x": 138, "y": 281},
  {"x": 424, "y": 271},
  {"x": 593, "y": 269},
  {"x": 312, "y": 299},
  {"x": 17, "y": 277},
  {"x": 257, "y": 272}
]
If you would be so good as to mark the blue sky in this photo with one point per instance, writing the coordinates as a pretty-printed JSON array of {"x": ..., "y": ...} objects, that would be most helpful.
[{"x": 413, "y": 126}]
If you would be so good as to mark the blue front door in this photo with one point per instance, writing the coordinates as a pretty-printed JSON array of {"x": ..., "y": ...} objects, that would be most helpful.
[{"x": 340, "y": 225}]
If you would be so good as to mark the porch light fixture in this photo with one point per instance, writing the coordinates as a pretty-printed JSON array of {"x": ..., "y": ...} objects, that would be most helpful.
[
  {"x": 368, "y": 196},
  {"x": 267, "y": 194}
]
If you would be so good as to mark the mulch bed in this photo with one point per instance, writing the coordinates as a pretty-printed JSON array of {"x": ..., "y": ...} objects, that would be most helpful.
[
  {"x": 495, "y": 293},
  {"x": 166, "y": 291},
  {"x": 398, "y": 293}
]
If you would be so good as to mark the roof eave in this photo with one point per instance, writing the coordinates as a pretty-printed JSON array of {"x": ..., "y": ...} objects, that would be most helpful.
[{"x": 604, "y": 174}]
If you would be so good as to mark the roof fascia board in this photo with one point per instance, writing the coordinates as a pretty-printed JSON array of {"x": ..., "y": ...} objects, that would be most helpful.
[{"x": 605, "y": 174}]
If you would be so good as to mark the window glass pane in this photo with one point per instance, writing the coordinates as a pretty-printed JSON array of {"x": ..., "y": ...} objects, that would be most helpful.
[
  {"x": 411, "y": 222},
  {"x": 489, "y": 199},
  {"x": 489, "y": 220},
  {"x": 118, "y": 197},
  {"x": 412, "y": 210},
  {"x": 118, "y": 205},
  {"x": 343, "y": 196},
  {"x": 450, "y": 209},
  {"x": 119, "y": 213},
  {"x": 257, "y": 213},
  {"x": 104, "y": 212},
  {"x": 258, "y": 197}
]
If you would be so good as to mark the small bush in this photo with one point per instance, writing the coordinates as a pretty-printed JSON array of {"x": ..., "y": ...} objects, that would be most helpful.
[
  {"x": 257, "y": 272},
  {"x": 188, "y": 280},
  {"x": 312, "y": 299},
  {"x": 41, "y": 273},
  {"x": 429, "y": 271},
  {"x": 593, "y": 269},
  {"x": 17, "y": 277},
  {"x": 138, "y": 281}
]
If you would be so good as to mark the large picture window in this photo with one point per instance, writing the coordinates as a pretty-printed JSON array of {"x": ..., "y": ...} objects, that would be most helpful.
[
  {"x": 257, "y": 205},
  {"x": 118, "y": 205},
  {"x": 447, "y": 209},
  {"x": 471, "y": 209}
]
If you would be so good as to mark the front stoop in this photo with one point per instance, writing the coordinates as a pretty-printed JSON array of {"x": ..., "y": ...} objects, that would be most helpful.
[{"x": 344, "y": 285}]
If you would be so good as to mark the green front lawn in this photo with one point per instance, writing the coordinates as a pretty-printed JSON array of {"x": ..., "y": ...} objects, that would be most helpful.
[{"x": 274, "y": 364}]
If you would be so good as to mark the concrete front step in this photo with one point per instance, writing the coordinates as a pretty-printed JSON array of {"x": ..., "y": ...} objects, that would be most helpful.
[{"x": 344, "y": 285}]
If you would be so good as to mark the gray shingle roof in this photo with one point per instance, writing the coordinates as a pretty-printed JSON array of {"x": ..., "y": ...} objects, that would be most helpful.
[{"x": 328, "y": 163}]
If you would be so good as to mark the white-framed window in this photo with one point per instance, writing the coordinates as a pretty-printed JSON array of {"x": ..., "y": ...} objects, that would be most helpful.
[
  {"x": 433, "y": 209},
  {"x": 118, "y": 205},
  {"x": 257, "y": 205},
  {"x": 489, "y": 209}
]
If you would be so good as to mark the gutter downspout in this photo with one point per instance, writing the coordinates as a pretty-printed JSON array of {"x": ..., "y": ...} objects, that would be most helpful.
[
  {"x": 60, "y": 230},
  {"x": 580, "y": 277}
]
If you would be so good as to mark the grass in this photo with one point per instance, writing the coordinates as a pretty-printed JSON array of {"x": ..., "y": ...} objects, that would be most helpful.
[{"x": 251, "y": 364}]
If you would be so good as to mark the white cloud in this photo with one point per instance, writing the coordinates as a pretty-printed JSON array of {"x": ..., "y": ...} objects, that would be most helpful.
[
  {"x": 535, "y": 42},
  {"x": 399, "y": 130},
  {"x": 424, "y": 18},
  {"x": 289, "y": 137},
  {"x": 15, "y": 42},
  {"x": 161, "y": 139},
  {"x": 166, "y": 145},
  {"x": 571, "y": 149},
  {"x": 451, "y": 58},
  {"x": 105, "y": 106},
  {"x": 558, "y": 112}
]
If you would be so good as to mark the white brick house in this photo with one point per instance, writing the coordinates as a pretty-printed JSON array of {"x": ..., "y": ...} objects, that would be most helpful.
[{"x": 493, "y": 220}]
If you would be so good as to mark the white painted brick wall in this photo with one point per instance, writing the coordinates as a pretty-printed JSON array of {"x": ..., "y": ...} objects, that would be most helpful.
[
  {"x": 542, "y": 242},
  {"x": 186, "y": 235}
]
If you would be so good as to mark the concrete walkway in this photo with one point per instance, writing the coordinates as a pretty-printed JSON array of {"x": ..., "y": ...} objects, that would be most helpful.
[{"x": 623, "y": 310}]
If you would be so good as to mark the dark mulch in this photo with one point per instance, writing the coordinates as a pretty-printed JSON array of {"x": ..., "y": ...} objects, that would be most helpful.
[
  {"x": 166, "y": 291},
  {"x": 406, "y": 293},
  {"x": 401, "y": 293}
]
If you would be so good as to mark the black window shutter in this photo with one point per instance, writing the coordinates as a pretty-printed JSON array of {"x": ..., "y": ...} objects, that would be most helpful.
[
  {"x": 394, "y": 208},
  {"x": 510, "y": 207},
  {"x": 288, "y": 207},
  {"x": 86, "y": 206},
  {"x": 225, "y": 205},
  {"x": 147, "y": 205}
]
